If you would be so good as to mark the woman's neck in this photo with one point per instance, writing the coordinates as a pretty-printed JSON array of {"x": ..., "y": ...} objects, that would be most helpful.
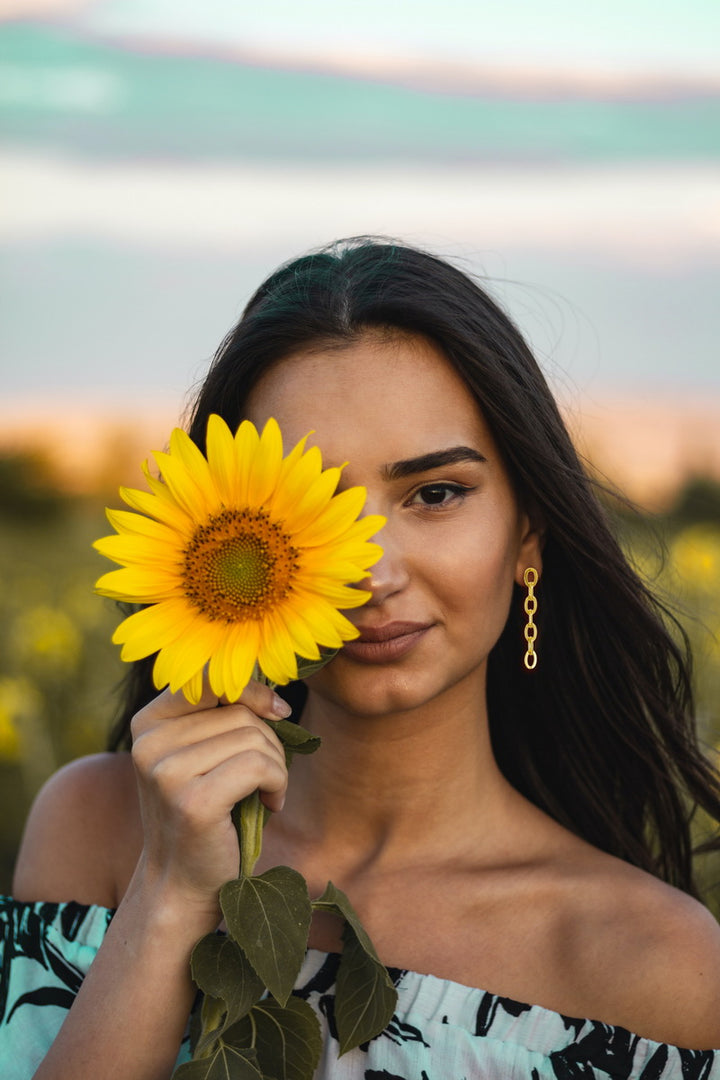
[{"x": 379, "y": 787}]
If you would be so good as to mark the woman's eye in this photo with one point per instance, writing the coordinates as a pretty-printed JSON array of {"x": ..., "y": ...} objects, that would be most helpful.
[{"x": 438, "y": 494}]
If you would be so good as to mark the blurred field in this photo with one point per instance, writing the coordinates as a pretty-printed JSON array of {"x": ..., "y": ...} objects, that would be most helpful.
[
  {"x": 58, "y": 667},
  {"x": 59, "y": 670}
]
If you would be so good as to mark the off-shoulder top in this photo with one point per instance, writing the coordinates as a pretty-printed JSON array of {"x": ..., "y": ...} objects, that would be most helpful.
[{"x": 441, "y": 1030}]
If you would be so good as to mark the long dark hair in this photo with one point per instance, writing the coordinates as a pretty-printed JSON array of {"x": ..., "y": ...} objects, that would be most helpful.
[{"x": 601, "y": 734}]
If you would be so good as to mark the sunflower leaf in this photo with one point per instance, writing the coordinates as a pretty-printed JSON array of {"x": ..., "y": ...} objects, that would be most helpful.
[
  {"x": 365, "y": 996},
  {"x": 269, "y": 917},
  {"x": 225, "y": 1063},
  {"x": 287, "y": 1039},
  {"x": 295, "y": 739},
  {"x": 306, "y": 668},
  {"x": 226, "y": 977}
]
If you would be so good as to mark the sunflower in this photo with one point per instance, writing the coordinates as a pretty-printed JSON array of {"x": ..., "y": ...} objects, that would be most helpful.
[{"x": 240, "y": 559}]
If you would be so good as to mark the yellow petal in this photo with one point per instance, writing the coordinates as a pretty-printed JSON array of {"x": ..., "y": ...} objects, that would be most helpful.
[
  {"x": 153, "y": 628},
  {"x": 276, "y": 655},
  {"x": 231, "y": 666},
  {"x": 337, "y": 516},
  {"x": 222, "y": 460},
  {"x": 179, "y": 662},
  {"x": 324, "y": 621},
  {"x": 303, "y": 642},
  {"x": 296, "y": 455},
  {"x": 301, "y": 501},
  {"x": 193, "y": 688},
  {"x": 138, "y": 524},
  {"x": 324, "y": 569},
  {"x": 141, "y": 551},
  {"x": 184, "y": 451},
  {"x": 366, "y": 527},
  {"x": 137, "y": 585},
  {"x": 164, "y": 510},
  {"x": 247, "y": 442},
  {"x": 361, "y": 553},
  {"x": 296, "y": 477},
  {"x": 183, "y": 488},
  {"x": 339, "y": 595},
  {"x": 342, "y": 560},
  {"x": 266, "y": 467}
]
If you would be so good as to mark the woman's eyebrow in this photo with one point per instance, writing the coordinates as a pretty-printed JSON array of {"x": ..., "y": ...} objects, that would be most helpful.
[{"x": 435, "y": 459}]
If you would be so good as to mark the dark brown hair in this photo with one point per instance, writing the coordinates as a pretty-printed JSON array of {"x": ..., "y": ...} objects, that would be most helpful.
[{"x": 601, "y": 735}]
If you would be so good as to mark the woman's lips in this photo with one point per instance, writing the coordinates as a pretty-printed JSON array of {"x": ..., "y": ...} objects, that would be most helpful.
[{"x": 381, "y": 644}]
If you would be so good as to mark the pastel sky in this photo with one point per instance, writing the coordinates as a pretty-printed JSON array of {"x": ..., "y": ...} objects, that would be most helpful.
[
  {"x": 675, "y": 37},
  {"x": 124, "y": 267}
]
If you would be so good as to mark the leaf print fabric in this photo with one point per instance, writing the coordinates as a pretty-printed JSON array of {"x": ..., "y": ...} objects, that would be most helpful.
[{"x": 441, "y": 1030}]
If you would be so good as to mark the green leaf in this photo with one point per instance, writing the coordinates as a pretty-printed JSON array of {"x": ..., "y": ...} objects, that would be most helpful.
[
  {"x": 295, "y": 739},
  {"x": 365, "y": 997},
  {"x": 226, "y": 1063},
  {"x": 306, "y": 668},
  {"x": 336, "y": 902},
  {"x": 229, "y": 982},
  {"x": 287, "y": 1039},
  {"x": 269, "y": 917}
]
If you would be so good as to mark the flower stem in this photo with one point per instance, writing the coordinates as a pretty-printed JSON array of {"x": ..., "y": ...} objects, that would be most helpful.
[
  {"x": 249, "y": 818},
  {"x": 249, "y": 815}
]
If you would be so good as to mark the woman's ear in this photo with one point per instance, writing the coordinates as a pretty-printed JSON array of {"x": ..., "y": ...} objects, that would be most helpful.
[{"x": 532, "y": 542}]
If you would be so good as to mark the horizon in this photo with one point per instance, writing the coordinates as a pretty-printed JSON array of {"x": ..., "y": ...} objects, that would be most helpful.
[{"x": 647, "y": 447}]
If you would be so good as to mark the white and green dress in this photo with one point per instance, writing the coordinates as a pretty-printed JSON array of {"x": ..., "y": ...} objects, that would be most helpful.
[{"x": 441, "y": 1030}]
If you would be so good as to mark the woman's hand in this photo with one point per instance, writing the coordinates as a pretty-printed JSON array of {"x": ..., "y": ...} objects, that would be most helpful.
[{"x": 193, "y": 763}]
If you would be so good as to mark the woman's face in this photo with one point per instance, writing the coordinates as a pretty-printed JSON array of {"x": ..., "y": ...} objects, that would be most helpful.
[{"x": 455, "y": 538}]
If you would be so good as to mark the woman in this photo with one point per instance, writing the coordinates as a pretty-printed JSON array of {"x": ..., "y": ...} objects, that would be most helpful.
[{"x": 519, "y": 828}]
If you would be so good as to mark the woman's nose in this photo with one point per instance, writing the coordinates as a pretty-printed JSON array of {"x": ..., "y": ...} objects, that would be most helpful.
[{"x": 389, "y": 575}]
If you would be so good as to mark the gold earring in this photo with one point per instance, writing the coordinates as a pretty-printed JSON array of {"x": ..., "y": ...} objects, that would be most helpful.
[{"x": 530, "y": 577}]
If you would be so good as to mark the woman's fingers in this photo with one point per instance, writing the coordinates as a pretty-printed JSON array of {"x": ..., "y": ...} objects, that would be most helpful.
[
  {"x": 256, "y": 697},
  {"x": 263, "y": 701},
  {"x": 231, "y": 780},
  {"x": 153, "y": 739},
  {"x": 260, "y": 750}
]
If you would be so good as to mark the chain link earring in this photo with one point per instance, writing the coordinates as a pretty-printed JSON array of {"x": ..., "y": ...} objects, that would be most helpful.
[{"x": 530, "y": 577}]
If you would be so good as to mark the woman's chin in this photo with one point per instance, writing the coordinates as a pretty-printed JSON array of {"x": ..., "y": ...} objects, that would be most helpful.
[{"x": 363, "y": 690}]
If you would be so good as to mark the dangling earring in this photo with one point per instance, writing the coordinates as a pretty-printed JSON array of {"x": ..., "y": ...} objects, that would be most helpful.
[{"x": 530, "y": 577}]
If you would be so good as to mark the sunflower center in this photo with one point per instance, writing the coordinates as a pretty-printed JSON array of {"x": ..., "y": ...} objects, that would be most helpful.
[{"x": 239, "y": 565}]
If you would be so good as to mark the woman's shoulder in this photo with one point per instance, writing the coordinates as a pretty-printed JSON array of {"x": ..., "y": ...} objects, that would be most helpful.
[
  {"x": 651, "y": 950},
  {"x": 82, "y": 832}
]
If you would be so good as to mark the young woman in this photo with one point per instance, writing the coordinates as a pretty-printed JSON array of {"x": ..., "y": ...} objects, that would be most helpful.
[{"x": 515, "y": 838}]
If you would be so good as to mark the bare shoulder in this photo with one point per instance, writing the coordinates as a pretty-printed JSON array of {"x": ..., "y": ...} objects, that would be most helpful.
[
  {"x": 82, "y": 833},
  {"x": 653, "y": 950}
]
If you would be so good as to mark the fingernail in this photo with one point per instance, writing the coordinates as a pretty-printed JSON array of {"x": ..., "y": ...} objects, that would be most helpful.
[{"x": 280, "y": 708}]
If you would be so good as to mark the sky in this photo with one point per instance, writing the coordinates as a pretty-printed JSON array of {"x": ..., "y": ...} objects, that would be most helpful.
[
  {"x": 123, "y": 265},
  {"x": 674, "y": 37}
]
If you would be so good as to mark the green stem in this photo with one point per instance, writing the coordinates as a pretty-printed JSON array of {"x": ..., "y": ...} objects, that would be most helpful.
[
  {"x": 249, "y": 819},
  {"x": 249, "y": 815}
]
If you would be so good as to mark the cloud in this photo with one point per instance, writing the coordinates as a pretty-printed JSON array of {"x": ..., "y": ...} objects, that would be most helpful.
[
  {"x": 644, "y": 212},
  {"x": 28, "y": 9}
]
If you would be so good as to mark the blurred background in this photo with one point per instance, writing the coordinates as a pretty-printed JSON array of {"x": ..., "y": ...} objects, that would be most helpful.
[{"x": 159, "y": 157}]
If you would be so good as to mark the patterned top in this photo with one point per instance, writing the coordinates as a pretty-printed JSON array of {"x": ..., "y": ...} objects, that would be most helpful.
[{"x": 441, "y": 1031}]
